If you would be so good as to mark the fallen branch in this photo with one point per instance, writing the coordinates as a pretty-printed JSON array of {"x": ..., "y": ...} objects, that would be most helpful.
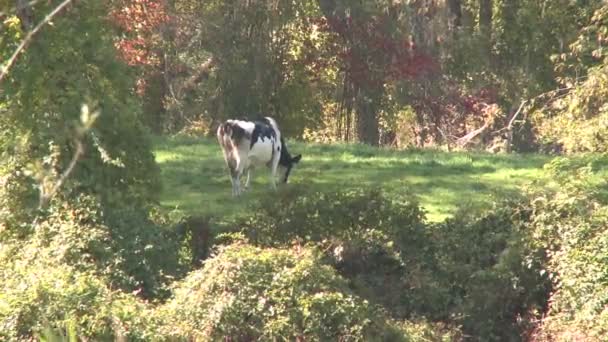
[
  {"x": 509, "y": 126},
  {"x": 201, "y": 72},
  {"x": 463, "y": 141},
  {"x": 521, "y": 106},
  {"x": 28, "y": 38},
  {"x": 556, "y": 94}
]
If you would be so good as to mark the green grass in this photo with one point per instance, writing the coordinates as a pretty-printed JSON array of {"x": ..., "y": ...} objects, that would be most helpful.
[{"x": 196, "y": 180}]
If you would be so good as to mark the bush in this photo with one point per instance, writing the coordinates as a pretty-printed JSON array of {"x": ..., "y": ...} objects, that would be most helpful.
[
  {"x": 251, "y": 293},
  {"x": 342, "y": 223},
  {"x": 75, "y": 240},
  {"x": 377, "y": 242},
  {"x": 493, "y": 276},
  {"x": 569, "y": 225},
  {"x": 476, "y": 270},
  {"x": 38, "y": 297}
]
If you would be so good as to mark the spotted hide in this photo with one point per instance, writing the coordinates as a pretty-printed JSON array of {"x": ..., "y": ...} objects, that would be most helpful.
[{"x": 250, "y": 144}]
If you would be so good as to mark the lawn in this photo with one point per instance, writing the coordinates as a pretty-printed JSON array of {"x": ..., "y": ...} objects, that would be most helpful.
[{"x": 196, "y": 181}]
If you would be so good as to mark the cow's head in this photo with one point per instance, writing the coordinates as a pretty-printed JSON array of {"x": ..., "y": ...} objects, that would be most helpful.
[{"x": 289, "y": 165}]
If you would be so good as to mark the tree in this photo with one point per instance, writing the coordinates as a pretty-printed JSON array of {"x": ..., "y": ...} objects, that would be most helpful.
[
  {"x": 115, "y": 179},
  {"x": 142, "y": 46}
]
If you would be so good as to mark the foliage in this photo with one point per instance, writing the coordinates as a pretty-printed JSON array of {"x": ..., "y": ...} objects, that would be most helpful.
[
  {"x": 41, "y": 293},
  {"x": 336, "y": 70},
  {"x": 319, "y": 261},
  {"x": 569, "y": 225},
  {"x": 105, "y": 262},
  {"x": 377, "y": 242},
  {"x": 40, "y": 122},
  {"x": 425, "y": 331},
  {"x": 116, "y": 180},
  {"x": 257, "y": 51},
  {"x": 343, "y": 67},
  {"x": 476, "y": 270},
  {"x": 345, "y": 215},
  {"x": 246, "y": 292},
  {"x": 577, "y": 121},
  {"x": 139, "y": 19},
  {"x": 492, "y": 274},
  {"x": 65, "y": 265}
]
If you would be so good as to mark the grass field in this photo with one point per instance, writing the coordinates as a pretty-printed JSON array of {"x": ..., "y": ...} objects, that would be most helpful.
[{"x": 196, "y": 181}]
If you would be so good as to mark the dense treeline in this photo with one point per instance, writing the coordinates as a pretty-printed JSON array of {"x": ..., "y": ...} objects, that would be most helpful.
[
  {"x": 399, "y": 73},
  {"x": 86, "y": 251}
]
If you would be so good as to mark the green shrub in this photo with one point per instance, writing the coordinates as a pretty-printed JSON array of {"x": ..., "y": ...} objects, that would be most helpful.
[
  {"x": 493, "y": 276},
  {"x": 319, "y": 216},
  {"x": 425, "y": 331},
  {"x": 377, "y": 242},
  {"x": 124, "y": 247},
  {"x": 64, "y": 263},
  {"x": 251, "y": 293},
  {"x": 570, "y": 225},
  {"x": 38, "y": 296},
  {"x": 473, "y": 271}
]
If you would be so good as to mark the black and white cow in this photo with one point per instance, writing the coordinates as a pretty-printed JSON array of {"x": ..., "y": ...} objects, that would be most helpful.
[{"x": 250, "y": 144}]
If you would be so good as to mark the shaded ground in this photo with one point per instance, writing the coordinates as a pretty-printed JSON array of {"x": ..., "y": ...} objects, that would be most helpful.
[{"x": 196, "y": 181}]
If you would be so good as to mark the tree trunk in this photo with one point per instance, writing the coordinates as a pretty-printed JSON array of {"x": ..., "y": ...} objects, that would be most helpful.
[
  {"x": 25, "y": 14},
  {"x": 455, "y": 10},
  {"x": 154, "y": 105},
  {"x": 367, "y": 118},
  {"x": 485, "y": 27}
]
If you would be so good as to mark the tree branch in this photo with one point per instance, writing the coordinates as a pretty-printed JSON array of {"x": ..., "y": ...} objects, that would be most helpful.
[
  {"x": 46, "y": 197},
  {"x": 462, "y": 141},
  {"x": 202, "y": 72},
  {"x": 27, "y": 40}
]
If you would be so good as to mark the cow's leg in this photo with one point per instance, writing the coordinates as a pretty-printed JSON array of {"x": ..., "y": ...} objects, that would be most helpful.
[
  {"x": 274, "y": 164},
  {"x": 249, "y": 171},
  {"x": 236, "y": 170},
  {"x": 236, "y": 180}
]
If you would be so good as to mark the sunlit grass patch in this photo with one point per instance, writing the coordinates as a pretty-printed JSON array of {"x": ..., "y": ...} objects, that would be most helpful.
[{"x": 196, "y": 181}]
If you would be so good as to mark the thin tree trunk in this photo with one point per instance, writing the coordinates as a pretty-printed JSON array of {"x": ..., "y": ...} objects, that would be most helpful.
[
  {"x": 455, "y": 10},
  {"x": 25, "y": 14},
  {"x": 367, "y": 118},
  {"x": 485, "y": 26},
  {"x": 349, "y": 114}
]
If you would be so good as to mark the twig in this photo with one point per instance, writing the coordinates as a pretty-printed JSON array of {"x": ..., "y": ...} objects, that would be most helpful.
[
  {"x": 45, "y": 198},
  {"x": 27, "y": 40}
]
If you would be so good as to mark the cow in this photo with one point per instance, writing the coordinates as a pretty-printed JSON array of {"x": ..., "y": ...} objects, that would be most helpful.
[{"x": 250, "y": 144}]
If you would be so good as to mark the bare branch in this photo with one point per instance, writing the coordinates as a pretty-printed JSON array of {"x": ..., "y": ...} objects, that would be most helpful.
[
  {"x": 27, "y": 40},
  {"x": 555, "y": 94},
  {"x": 46, "y": 197},
  {"x": 521, "y": 106},
  {"x": 462, "y": 141},
  {"x": 202, "y": 72}
]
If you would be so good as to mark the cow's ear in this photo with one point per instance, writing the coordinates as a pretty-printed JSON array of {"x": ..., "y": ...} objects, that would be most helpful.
[{"x": 296, "y": 158}]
